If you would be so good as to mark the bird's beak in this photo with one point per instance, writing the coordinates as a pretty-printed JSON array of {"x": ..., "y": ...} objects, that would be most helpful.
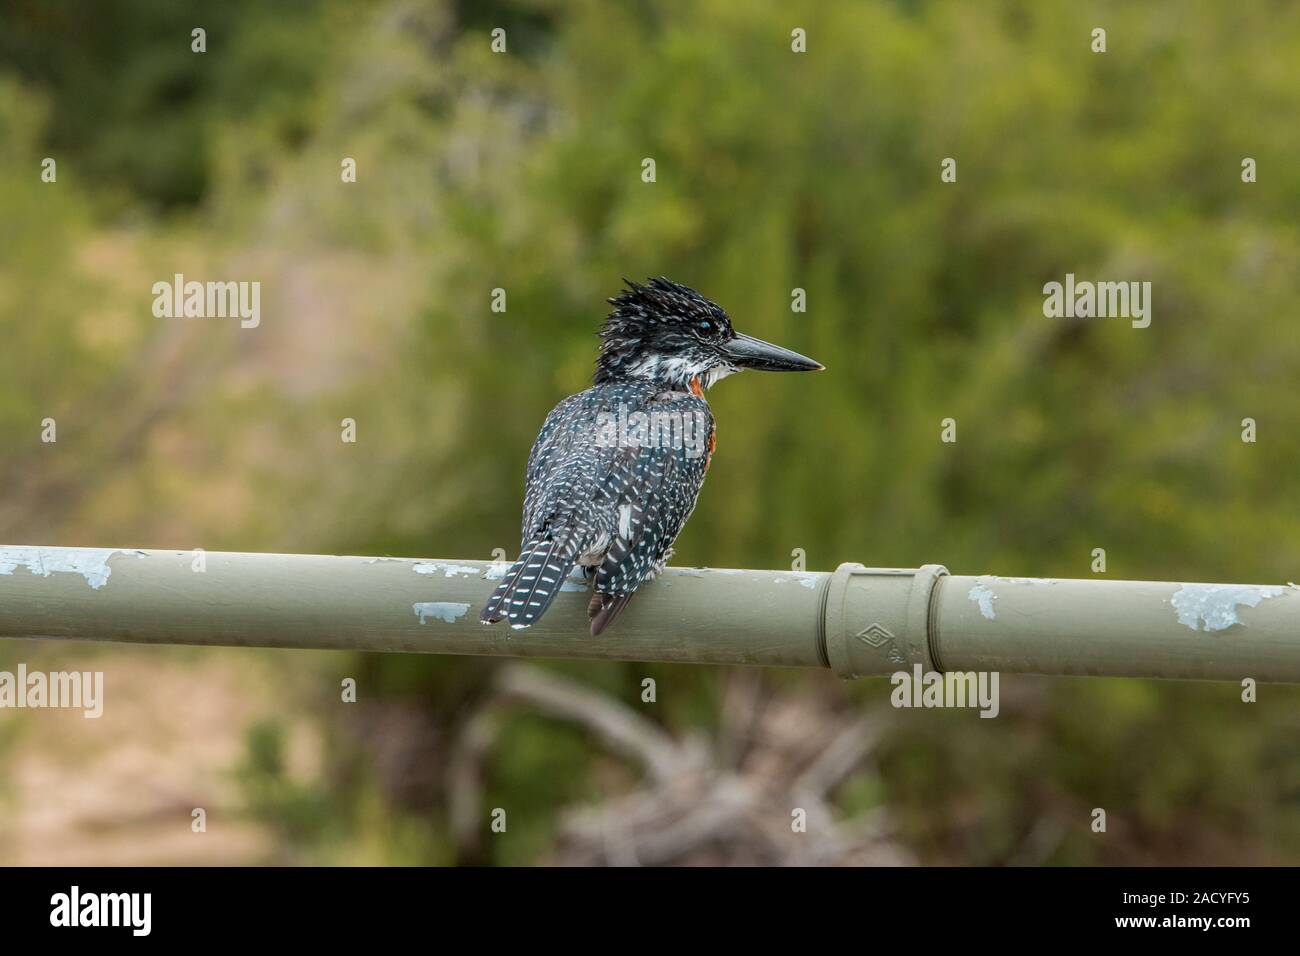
[{"x": 745, "y": 351}]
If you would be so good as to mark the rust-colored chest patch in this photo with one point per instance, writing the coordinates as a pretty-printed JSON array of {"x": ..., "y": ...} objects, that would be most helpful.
[{"x": 698, "y": 391}]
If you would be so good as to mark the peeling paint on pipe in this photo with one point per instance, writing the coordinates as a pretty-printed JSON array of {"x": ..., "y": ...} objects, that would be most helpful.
[
  {"x": 983, "y": 599},
  {"x": 90, "y": 563},
  {"x": 447, "y": 611},
  {"x": 1213, "y": 607},
  {"x": 449, "y": 570}
]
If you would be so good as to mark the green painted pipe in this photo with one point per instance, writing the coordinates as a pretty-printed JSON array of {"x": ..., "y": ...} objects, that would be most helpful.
[{"x": 858, "y": 621}]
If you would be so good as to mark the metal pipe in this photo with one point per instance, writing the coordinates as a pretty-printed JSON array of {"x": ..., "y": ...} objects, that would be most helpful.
[
  {"x": 858, "y": 621},
  {"x": 881, "y": 620}
]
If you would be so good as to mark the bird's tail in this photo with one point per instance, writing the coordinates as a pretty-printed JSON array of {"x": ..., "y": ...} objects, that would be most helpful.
[
  {"x": 604, "y": 608},
  {"x": 532, "y": 582}
]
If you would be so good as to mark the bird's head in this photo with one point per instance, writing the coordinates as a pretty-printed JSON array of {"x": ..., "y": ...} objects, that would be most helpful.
[{"x": 667, "y": 333}]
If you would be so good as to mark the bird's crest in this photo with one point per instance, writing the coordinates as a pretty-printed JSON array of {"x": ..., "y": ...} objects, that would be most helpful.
[{"x": 661, "y": 329}]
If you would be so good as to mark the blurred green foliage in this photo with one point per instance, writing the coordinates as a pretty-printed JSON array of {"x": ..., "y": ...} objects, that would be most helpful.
[{"x": 775, "y": 170}]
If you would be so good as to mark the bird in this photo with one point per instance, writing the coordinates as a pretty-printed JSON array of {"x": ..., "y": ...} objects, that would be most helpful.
[{"x": 615, "y": 471}]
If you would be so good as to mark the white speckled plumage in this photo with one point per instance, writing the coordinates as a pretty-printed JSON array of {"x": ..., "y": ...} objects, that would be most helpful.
[{"x": 614, "y": 508}]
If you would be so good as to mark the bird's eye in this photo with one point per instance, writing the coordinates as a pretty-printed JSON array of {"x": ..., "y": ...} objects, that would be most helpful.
[{"x": 705, "y": 326}]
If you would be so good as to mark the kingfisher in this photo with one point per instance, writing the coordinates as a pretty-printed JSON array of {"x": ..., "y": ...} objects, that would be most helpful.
[{"x": 615, "y": 471}]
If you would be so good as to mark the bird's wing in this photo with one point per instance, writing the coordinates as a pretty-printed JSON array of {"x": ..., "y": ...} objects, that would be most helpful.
[
  {"x": 547, "y": 480},
  {"x": 635, "y": 496},
  {"x": 653, "y": 490}
]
